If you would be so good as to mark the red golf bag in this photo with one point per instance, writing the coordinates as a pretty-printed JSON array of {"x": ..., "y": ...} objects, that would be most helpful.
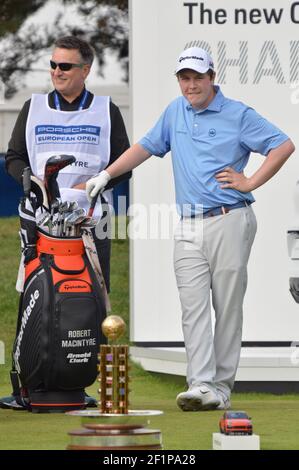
[{"x": 59, "y": 326}]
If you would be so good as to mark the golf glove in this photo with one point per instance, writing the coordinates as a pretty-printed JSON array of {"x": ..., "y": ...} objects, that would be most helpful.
[{"x": 97, "y": 184}]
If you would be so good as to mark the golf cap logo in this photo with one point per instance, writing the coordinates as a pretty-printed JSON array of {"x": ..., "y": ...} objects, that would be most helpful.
[
  {"x": 196, "y": 59},
  {"x": 190, "y": 57}
]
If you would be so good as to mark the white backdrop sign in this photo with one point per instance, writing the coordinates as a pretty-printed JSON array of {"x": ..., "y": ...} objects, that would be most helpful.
[{"x": 255, "y": 47}]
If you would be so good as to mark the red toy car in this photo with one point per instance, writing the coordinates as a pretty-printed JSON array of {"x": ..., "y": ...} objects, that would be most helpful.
[{"x": 235, "y": 422}]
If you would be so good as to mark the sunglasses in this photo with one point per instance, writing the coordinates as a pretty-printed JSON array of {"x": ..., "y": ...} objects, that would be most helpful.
[{"x": 64, "y": 66}]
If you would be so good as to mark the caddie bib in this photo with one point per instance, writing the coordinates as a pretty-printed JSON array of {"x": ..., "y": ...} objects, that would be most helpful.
[{"x": 84, "y": 134}]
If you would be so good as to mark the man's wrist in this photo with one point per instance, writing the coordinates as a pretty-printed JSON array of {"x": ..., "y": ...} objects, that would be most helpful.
[
  {"x": 107, "y": 175},
  {"x": 80, "y": 186},
  {"x": 251, "y": 184},
  {"x": 103, "y": 172}
]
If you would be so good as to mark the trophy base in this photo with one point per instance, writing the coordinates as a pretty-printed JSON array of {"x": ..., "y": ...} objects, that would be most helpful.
[{"x": 103, "y": 431}]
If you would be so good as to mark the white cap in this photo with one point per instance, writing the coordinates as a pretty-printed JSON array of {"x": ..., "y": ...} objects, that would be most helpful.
[{"x": 196, "y": 59}]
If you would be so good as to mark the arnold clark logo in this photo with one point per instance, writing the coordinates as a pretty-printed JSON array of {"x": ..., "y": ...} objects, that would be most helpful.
[
  {"x": 2, "y": 353},
  {"x": 48, "y": 133}
]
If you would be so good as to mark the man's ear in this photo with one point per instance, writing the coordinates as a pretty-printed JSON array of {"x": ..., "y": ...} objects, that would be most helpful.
[{"x": 86, "y": 70}]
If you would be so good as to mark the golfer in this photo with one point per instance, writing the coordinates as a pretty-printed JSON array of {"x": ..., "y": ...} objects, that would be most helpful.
[
  {"x": 69, "y": 120},
  {"x": 210, "y": 138}
]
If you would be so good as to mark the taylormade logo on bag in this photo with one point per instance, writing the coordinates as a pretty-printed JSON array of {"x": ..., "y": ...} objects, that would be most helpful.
[
  {"x": 75, "y": 286},
  {"x": 26, "y": 314}
]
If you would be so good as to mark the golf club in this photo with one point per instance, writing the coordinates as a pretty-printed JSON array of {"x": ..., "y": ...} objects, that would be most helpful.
[
  {"x": 26, "y": 181},
  {"x": 38, "y": 188},
  {"x": 53, "y": 165},
  {"x": 91, "y": 251}
]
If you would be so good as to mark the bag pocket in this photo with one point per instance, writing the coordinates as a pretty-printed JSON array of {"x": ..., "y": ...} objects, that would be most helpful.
[{"x": 76, "y": 338}]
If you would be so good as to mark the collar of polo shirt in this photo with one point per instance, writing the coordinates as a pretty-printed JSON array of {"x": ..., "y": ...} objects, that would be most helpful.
[{"x": 215, "y": 104}]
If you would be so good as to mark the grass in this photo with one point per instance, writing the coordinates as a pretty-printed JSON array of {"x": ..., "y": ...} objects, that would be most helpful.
[{"x": 275, "y": 418}]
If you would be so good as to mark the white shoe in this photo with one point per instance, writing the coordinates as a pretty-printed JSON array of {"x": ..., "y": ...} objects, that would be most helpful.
[
  {"x": 224, "y": 404},
  {"x": 198, "y": 397}
]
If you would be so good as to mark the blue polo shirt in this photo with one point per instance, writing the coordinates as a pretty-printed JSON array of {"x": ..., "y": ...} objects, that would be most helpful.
[{"x": 203, "y": 142}]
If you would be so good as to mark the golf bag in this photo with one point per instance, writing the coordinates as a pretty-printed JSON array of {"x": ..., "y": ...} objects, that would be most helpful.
[{"x": 58, "y": 332}]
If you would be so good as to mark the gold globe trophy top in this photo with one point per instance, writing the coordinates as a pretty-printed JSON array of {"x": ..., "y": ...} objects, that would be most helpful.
[
  {"x": 113, "y": 369},
  {"x": 113, "y": 327}
]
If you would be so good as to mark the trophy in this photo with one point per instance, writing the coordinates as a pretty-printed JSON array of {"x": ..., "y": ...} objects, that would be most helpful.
[
  {"x": 113, "y": 426},
  {"x": 113, "y": 369}
]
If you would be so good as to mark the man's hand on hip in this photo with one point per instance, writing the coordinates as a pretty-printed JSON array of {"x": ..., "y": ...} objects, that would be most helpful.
[
  {"x": 233, "y": 180},
  {"x": 97, "y": 184}
]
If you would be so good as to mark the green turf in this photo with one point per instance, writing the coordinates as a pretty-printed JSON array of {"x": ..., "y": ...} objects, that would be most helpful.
[{"x": 275, "y": 418}]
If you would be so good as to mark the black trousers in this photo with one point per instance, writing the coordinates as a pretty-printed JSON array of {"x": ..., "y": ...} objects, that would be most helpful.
[
  {"x": 104, "y": 251},
  {"x": 102, "y": 238}
]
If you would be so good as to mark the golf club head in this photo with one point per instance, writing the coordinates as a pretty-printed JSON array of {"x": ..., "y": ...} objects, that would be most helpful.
[
  {"x": 73, "y": 205},
  {"x": 55, "y": 207},
  {"x": 26, "y": 181},
  {"x": 64, "y": 207},
  {"x": 56, "y": 163},
  {"x": 71, "y": 220},
  {"x": 45, "y": 223},
  {"x": 88, "y": 222},
  {"x": 66, "y": 224},
  {"x": 38, "y": 188},
  {"x": 53, "y": 166},
  {"x": 76, "y": 214}
]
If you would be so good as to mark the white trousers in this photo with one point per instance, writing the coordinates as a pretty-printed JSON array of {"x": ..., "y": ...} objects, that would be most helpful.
[{"x": 210, "y": 257}]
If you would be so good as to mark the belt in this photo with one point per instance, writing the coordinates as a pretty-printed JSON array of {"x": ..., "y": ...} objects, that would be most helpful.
[{"x": 222, "y": 210}]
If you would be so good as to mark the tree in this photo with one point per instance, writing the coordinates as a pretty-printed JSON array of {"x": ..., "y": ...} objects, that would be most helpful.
[
  {"x": 104, "y": 24},
  {"x": 13, "y": 13}
]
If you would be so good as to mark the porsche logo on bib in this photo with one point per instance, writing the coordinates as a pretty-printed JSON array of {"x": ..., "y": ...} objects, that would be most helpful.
[{"x": 46, "y": 133}]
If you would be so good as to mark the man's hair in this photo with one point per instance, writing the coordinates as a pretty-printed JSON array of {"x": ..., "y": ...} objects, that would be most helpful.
[
  {"x": 209, "y": 72},
  {"x": 72, "y": 42}
]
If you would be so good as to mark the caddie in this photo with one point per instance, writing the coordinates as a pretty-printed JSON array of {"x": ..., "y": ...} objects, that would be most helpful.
[{"x": 70, "y": 120}]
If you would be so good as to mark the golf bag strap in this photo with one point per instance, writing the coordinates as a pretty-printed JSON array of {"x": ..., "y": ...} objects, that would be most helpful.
[
  {"x": 14, "y": 376},
  {"x": 15, "y": 382}
]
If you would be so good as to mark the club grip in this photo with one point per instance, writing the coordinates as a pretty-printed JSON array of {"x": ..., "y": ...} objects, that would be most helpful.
[
  {"x": 26, "y": 181},
  {"x": 92, "y": 205}
]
